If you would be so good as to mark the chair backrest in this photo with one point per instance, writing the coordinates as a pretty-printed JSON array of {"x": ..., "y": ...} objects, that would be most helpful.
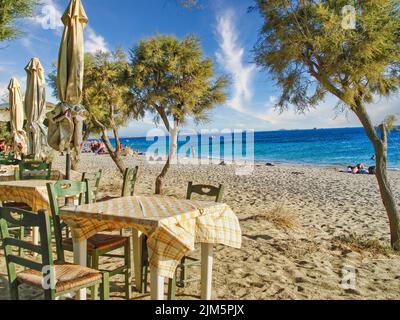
[
  {"x": 93, "y": 179},
  {"x": 34, "y": 170},
  {"x": 8, "y": 162},
  {"x": 130, "y": 177},
  {"x": 29, "y": 157},
  {"x": 65, "y": 190},
  {"x": 205, "y": 190},
  {"x": 22, "y": 218}
]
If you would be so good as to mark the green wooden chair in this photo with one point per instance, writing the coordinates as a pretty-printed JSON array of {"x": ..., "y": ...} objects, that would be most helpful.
[
  {"x": 128, "y": 185},
  {"x": 188, "y": 261},
  {"x": 55, "y": 278},
  {"x": 94, "y": 181},
  {"x": 100, "y": 245},
  {"x": 34, "y": 170},
  {"x": 17, "y": 232}
]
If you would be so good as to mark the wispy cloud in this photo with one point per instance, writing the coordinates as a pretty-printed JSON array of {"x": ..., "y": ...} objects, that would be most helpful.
[
  {"x": 50, "y": 15},
  {"x": 231, "y": 56},
  {"x": 94, "y": 42}
]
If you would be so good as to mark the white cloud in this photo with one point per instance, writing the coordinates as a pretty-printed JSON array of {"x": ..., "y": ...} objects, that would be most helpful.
[
  {"x": 94, "y": 42},
  {"x": 49, "y": 16},
  {"x": 231, "y": 56}
]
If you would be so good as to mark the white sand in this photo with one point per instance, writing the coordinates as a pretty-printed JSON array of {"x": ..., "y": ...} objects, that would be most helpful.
[{"x": 290, "y": 218}]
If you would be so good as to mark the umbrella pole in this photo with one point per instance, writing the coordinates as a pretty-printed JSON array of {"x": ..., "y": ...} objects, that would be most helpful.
[{"x": 68, "y": 165}]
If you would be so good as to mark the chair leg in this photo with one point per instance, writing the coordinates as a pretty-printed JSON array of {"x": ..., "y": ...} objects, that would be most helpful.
[
  {"x": 21, "y": 237},
  {"x": 14, "y": 291},
  {"x": 128, "y": 270},
  {"x": 145, "y": 265},
  {"x": 172, "y": 288},
  {"x": 183, "y": 273},
  {"x": 105, "y": 287},
  {"x": 50, "y": 294},
  {"x": 95, "y": 260},
  {"x": 94, "y": 294},
  {"x": 89, "y": 261}
]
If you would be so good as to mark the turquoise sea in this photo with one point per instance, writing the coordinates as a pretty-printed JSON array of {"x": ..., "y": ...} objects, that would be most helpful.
[{"x": 344, "y": 146}]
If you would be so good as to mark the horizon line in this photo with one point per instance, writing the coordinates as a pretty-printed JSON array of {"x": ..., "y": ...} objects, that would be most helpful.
[{"x": 258, "y": 131}]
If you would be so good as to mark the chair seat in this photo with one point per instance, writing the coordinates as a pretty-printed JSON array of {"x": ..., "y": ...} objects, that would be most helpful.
[
  {"x": 68, "y": 276},
  {"x": 98, "y": 242}
]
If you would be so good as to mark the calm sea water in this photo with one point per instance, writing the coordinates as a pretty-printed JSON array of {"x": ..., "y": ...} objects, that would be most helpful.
[{"x": 345, "y": 146}]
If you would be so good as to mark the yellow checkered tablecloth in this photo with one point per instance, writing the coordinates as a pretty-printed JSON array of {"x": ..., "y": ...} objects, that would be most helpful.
[
  {"x": 172, "y": 226},
  {"x": 31, "y": 192}
]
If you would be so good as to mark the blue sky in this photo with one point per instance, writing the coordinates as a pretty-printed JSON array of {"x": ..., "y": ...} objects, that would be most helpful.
[{"x": 227, "y": 33}]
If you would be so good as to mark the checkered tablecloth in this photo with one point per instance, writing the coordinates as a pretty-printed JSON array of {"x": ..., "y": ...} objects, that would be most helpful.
[
  {"x": 172, "y": 226},
  {"x": 31, "y": 192}
]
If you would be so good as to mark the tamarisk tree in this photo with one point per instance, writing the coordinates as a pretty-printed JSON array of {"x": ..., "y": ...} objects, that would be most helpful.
[
  {"x": 172, "y": 79},
  {"x": 312, "y": 48}
]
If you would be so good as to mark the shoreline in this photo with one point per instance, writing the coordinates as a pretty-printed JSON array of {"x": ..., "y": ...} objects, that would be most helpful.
[{"x": 258, "y": 162}]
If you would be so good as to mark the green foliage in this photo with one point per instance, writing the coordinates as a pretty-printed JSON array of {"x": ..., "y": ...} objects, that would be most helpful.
[
  {"x": 306, "y": 49},
  {"x": 171, "y": 77},
  {"x": 106, "y": 91},
  {"x": 5, "y": 132},
  {"x": 10, "y": 11}
]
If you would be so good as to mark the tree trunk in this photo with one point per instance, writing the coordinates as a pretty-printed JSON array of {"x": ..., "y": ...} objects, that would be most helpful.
[
  {"x": 114, "y": 154},
  {"x": 173, "y": 145},
  {"x": 380, "y": 147},
  {"x": 172, "y": 156},
  {"x": 161, "y": 177},
  {"x": 75, "y": 164},
  {"x": 386, "y": 191}
]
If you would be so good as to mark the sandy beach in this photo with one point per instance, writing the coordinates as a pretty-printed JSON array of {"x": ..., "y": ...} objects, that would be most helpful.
[{"x": 303, "y": 228}]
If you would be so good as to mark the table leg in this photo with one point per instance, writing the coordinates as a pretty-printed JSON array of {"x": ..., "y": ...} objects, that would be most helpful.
[
  {"x": 156, "y": 286},
  {"x": 137, "y": 257},
  {"x": 80, "y": 257},
  {"x": 206, "y": 270}
]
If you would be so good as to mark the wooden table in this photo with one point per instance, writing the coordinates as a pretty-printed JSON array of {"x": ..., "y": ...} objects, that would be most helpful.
[
  {"x": 172, "y": 226},
  {"x": 31, "y": 192}
]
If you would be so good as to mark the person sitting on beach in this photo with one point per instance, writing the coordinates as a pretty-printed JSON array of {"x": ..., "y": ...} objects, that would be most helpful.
[
  {"x": 361, "y": 166},
  {"x": 352, "y": 169},
  {"x": 361, "y": 169}
]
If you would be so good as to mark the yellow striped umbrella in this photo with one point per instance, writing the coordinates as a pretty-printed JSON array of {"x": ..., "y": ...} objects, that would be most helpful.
[{"x": 66, "y": 121}]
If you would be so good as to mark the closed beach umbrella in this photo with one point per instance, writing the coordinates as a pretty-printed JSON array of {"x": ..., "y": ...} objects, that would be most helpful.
[
  {"x": 66, "y": 121},
  {"x": 35, "y": 110},
  {"x": 17, "y": 119}
]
